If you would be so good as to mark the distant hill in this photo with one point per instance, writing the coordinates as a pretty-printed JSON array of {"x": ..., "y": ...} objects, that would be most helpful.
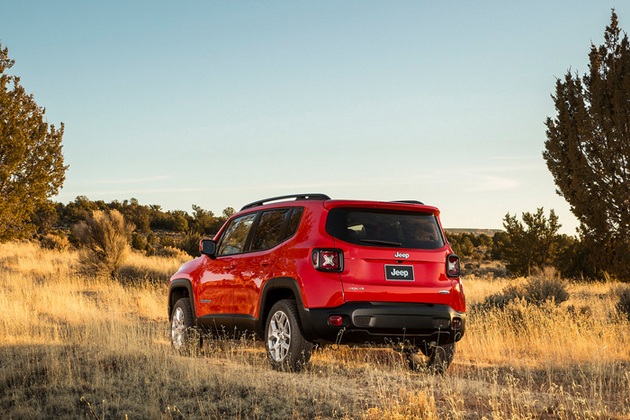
[{"x": 474, "y": 231}]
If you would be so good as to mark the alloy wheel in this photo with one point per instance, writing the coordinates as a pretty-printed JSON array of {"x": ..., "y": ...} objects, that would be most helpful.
[
  {"x": 279, "y": 336},
  {"x": 178, "y": 328}
]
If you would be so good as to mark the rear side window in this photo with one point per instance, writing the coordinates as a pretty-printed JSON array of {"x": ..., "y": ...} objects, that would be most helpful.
[
  {"x": 275, "y": 226},
  {"x": 372, "y": 227}
]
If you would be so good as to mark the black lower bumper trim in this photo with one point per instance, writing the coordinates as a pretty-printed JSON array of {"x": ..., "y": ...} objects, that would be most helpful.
[{"x": 384, "y": 322}]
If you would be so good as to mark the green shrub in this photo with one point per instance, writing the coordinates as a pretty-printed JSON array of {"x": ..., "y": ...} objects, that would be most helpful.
[
  {"x": 139, "y": 242},
  {"x": 190, "y": 243},
  {"x": 166, "y": 241}
]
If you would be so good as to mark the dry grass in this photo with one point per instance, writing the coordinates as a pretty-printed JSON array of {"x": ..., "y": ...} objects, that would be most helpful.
[{"x": 73, "y": 346}]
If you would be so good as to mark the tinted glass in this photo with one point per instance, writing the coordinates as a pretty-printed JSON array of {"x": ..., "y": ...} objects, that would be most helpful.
[
  {"x": 270, "y": 230},
  {"x": 233, "y": 240},
  {"x": 275, "y": 226},
  {"x": 385, "y": 228},
  {"x": 294, "y": 221}
]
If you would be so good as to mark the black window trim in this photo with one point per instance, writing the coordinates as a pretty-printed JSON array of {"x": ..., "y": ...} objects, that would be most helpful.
[{"x": 255, "y": 223}]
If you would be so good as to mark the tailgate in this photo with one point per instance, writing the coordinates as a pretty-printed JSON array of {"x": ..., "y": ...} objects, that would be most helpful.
[
  {"x": 388, "y": 275},
  {"x": 393, "y": 252}
]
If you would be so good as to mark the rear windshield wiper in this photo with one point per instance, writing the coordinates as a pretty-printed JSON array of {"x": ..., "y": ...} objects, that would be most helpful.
[{"x": 379, "y": 242}]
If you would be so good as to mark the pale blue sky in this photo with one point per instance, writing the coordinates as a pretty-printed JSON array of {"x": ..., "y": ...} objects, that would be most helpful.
[{"x": 221, "y": 103}]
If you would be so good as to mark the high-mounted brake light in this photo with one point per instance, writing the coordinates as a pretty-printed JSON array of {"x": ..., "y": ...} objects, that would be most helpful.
[
  {"x": 452, "y": 265},
  {"x": 327, "y": 259}
]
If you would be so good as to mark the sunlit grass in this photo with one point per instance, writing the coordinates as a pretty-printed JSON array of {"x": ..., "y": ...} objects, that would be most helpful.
[{"x": 78, "y": 346}]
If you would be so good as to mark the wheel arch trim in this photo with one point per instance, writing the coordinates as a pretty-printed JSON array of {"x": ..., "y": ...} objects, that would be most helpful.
[
  {"x": 277, "y": 285},
  {"x": 291, "y": 284},
  {"x": 179, "y": 284}
]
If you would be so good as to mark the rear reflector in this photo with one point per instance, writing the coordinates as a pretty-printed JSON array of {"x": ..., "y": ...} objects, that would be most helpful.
[
  {"x": 456, "y": 324},
  {"x": 335, "y": 320},
  {"x": 452, "y": 265}
]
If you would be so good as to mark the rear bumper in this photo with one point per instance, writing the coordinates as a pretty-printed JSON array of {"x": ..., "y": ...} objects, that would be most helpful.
[{"x": 384, "y": 322}]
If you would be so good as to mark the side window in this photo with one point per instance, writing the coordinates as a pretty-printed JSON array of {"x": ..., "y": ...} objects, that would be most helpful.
[
  {"x": 233, "y": 240},
  {"x": 274, "y": 227}
]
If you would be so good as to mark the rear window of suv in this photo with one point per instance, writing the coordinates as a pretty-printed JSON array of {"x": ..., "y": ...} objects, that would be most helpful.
[{"x": 374, "y": 227}]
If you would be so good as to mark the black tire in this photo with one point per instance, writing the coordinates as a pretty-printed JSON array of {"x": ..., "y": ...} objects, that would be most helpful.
[
  {"x": 184, "y": 336},
  {"x": 287, "y": 349},
  {"x": 438, "y": 358}
]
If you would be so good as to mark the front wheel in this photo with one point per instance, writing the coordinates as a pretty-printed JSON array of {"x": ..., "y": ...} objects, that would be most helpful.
[
  {"x": 287, "y": 349},
  {"x": 184, "y": 337}
]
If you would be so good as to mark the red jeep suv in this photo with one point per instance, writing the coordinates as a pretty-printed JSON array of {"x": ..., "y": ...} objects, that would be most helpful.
[{"x": 304, "y": 269}]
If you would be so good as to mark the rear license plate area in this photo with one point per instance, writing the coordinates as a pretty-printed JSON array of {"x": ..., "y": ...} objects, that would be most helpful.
[{"x": 399, "y": 272}]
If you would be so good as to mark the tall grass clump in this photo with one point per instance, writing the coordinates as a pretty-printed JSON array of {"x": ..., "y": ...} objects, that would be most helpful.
[
  {"x": 57, "y": 242},
  {"x": 139, "y": 268},
  {"x": 106, "y": 237}
]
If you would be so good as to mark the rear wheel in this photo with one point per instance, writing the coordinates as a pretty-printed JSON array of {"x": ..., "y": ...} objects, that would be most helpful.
[
  {"x": 287, "y": 349},
  {"x": 438, "y": 358},
  {"x": 184, "y": 337}
]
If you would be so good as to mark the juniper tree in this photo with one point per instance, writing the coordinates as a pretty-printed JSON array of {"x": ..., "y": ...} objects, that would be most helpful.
[
  {"x": 588, "y": 150},
  {"x": 31, "y": 162},
  {"x": 534, "y": 244}
]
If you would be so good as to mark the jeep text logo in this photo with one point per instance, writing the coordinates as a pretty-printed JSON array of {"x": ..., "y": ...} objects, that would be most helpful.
[
  {"x": 401, "y": 255},
  {"x": 399, "y": 272}
]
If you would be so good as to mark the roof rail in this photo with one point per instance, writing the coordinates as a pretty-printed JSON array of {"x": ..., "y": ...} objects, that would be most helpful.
[
  {"x": 408, "y": 202},
  {"x": 297, "y": 197}
]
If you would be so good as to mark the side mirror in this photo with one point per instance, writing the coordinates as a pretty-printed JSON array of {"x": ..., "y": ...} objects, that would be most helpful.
[{"x": 208, "y": 247}]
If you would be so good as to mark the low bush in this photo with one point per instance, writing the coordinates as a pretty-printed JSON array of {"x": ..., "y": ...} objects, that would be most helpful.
[
  {"x": 57, "y": 242},
  {"x": 172, "y": 252},
  {"x": 544, "y": 286},
  {"x": 139, "y": 242},
  {"x": 190, "y": 243}
]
